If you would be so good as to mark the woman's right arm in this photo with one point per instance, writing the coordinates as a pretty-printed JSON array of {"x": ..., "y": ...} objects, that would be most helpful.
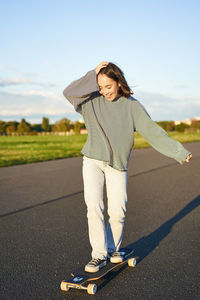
[{"x": 80, "y": 90}]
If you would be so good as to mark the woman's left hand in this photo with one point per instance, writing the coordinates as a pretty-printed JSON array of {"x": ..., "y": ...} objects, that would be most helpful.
[{"x": 188, "y": 158}]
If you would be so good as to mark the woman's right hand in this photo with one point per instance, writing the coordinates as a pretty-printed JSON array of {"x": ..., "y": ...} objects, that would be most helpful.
[{"x": 103, "y": 64}]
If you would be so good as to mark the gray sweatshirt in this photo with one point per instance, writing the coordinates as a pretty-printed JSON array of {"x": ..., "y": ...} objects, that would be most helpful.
[{"x": 111, "y": 125}]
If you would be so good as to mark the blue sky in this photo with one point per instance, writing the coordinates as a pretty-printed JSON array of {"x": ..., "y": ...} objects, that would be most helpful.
[{"x": 47, "y": 44}]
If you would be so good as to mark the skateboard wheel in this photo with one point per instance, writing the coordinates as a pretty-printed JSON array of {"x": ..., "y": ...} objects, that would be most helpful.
[
  {"x": 64, "y": 286},
  {"x": 92, "y": 288},
  {"x": 132, "y": 262}
]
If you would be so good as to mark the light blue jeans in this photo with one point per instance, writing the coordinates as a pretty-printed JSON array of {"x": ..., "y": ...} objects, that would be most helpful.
[{"x": 104, "y": 239}]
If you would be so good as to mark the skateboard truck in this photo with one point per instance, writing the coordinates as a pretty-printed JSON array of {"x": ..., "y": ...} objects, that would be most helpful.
[{"x": 91, "y": 288}]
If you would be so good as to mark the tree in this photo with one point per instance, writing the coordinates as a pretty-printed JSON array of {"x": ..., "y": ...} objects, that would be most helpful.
[
  {"x": 11, "y": 126},
  {"x": 2, "y": 127},
  {"x": 167, "y": 125},
  {"x": 77, "y": 127},
  {"x": 36, "y": 127},
  {"x": 23, "y": 126},
  {"x": 163, "y": 124},
  {"x": 170, "y": 126},
  {"x": 181, "y": 127},
  {"x": 82, "y": 125},
  {"x": 10, "y": 129},
  {"x": 45, "y": 124},
  {"x": 62, "y": 126}
]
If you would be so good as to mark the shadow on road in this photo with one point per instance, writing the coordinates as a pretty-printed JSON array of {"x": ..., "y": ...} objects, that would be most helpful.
[
  {"x": 39, "y": 204},
  {"x": 144, "y": 246}
]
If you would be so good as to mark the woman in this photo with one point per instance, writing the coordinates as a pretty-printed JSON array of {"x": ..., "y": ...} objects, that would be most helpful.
[{"x": 111, "y": 115}]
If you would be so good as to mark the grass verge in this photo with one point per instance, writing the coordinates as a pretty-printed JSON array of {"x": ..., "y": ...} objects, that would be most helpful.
[{"x": 15, "y": 150}]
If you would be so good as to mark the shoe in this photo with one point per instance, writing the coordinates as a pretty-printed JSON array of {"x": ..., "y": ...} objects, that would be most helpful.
[
  {"x": 95, "y": 265},
  {"x": 117, "y": 257}
]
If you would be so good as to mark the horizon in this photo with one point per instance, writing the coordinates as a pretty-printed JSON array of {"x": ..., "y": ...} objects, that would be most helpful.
[{"x": 196, "y": 118}]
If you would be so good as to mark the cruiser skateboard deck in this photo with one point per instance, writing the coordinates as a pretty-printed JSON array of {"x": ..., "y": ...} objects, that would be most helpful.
[{"x": 80, "y": 279}]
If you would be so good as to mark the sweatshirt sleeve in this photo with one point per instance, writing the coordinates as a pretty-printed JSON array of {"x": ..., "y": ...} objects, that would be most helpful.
[
  {"x": 156, "y": 136},
  {"x": 81, "y": 89}
]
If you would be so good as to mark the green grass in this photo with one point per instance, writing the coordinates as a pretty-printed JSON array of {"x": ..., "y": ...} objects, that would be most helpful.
[
  {"x": 16, "y": 150},
  {"x": 140, "y": 142}
]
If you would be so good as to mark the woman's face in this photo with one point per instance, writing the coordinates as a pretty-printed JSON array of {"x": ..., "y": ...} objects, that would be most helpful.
[{"x": 108, "y": 87}]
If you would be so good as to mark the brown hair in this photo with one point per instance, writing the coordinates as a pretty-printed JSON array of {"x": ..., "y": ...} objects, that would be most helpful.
[{"x": 115, "y": 73}]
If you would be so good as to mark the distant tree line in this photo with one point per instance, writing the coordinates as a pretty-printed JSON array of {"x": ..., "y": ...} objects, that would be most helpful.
[
  {"x": 24, "y": 127},
  {"x": 65, "y": 125},
  {"x": 182, "y": 127}
]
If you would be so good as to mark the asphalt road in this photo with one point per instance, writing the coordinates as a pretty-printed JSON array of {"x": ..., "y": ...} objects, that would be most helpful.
[{"x": 43, "y": 230}]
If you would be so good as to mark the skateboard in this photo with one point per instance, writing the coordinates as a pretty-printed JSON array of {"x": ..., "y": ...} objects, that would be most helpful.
[{"x": 79, "y": 279}]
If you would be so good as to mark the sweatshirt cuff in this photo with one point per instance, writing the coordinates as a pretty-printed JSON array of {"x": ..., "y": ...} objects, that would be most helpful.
[
  {"x": 93, "y": 75},
  {"x": 183, "y": 155}
]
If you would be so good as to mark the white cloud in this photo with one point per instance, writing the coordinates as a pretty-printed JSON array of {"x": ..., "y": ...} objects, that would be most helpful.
[
  {"x": 34, "y": 104},
  {"x": 162, "y": 107},
  {"x": 42, "y": 93},
  {"x": 23, "y": 81}
]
